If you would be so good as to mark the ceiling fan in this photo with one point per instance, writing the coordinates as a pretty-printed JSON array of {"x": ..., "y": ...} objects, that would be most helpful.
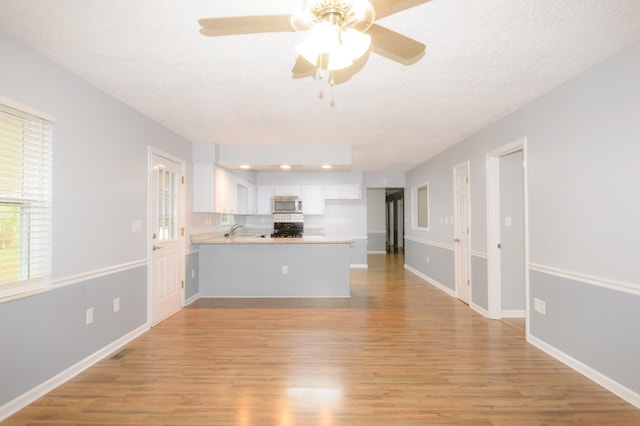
[{"x": 340, "y": 33}]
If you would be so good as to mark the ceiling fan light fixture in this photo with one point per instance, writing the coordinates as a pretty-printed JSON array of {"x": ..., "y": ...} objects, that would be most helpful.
[
  {"x": 356, "y": 42},
  {"x": 322, "y": 38},
  {"x": 333, "y": 32}
]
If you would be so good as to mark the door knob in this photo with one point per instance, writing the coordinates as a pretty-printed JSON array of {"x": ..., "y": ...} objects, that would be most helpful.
[
  {"x": 156, "y": 248},
  {"x": 456, "y": 240}
]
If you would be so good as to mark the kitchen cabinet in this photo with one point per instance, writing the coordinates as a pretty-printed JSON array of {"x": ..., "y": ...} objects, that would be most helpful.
[
  {"x": 225, "y": 196},
  {"x": 343, "y": 191},
  {"x": 245, "y": 195},
  {"x": 287, "y": 190},
  {"x": 246, "y": 269},
  {"x": 265, "y": 193},
  {"x": 203, "y": 188},
  {"x": 217, "y": 190},
  {"x": 312, "y": 199}
]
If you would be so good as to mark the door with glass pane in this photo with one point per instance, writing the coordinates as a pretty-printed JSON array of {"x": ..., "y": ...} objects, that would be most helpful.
[{"x": 167, "y": 262}]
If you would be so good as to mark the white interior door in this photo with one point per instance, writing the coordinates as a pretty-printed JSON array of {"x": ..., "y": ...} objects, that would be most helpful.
[
  {"x": 461, "y": 232},
  {"x": 167, "y": 258}
]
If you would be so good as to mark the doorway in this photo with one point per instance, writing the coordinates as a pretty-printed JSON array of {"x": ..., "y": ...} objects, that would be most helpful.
[
  {"x": 507, "y": 232},
  {"x": 394, "y": 201},
  {"x": 166, "y": 228}
]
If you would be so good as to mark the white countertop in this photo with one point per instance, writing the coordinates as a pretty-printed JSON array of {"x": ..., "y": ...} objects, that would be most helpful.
[{"x": 256, "y": 239}]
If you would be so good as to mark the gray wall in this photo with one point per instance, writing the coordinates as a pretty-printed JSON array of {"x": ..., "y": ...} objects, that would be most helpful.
[
  {"x": 582, "y": 179},
  {"x": 99, "y": 187},
  {"x": 192, "y": 277}
]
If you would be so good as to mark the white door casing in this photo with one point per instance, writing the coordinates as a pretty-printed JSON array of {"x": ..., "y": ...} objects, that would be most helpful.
[
  {"x": 166, "y": 185},
  {"x": 494, "y": 258},
  {"x": 461, "y": 213}
]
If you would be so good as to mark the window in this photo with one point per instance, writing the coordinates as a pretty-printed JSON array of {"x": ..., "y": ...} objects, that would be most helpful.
[
  {"x": 420, "y": 201},
  {"x": 25, "y": 200},
  {"x": 167, "y": 205}
]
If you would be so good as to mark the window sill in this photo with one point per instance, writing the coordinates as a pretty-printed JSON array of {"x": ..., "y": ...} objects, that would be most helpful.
[{"x": 25, "y": 294}]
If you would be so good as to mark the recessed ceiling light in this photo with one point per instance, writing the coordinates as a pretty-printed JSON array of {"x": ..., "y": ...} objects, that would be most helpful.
[
  {"x": 285, "y": 166},
  {"x": 245, "y": 166},
  {"x": 326, "y": 166}
]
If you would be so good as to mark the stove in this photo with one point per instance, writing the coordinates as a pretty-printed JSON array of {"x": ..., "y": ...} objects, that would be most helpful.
[
  {"x": 287, "y": 229},
  {"x": 282, "y": 234}
]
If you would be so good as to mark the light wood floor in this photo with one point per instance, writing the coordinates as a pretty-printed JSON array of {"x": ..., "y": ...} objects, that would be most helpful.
[{"x": 399, "y": 352}]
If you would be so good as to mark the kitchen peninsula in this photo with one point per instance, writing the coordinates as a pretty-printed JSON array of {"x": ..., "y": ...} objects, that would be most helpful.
[{"x": 254, "y": 266}]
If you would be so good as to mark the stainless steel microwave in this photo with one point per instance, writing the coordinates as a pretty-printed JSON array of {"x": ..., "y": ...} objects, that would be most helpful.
[{"x": 286, "y": 204}]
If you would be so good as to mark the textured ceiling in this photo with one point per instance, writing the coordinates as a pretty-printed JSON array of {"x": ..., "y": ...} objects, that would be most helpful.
[{"x": 483, "y": 59}]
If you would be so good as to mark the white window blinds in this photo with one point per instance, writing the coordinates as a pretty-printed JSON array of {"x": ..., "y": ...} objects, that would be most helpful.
[{"x": 25, "y": 201}]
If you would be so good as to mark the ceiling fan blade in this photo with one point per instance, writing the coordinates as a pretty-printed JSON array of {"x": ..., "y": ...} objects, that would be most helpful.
[
  {"x": 213, "y": 27},
  {"x": 389, "y": 7},
  {"x": 395, "y": 46},
  {"x": 302, "y": 68}
]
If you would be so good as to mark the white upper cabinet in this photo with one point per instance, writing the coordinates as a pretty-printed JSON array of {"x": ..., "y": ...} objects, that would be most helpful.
[
  {"x": 343, "y": 191},
  {"x": 287, "y": 190},
  {"x": 265, "y": 193},
  {"x": 203, "y": 188},
  {"x": 217, "y": 190},
  {"x": 225, "y": 192},
  {"x": 312, "y": 199}
]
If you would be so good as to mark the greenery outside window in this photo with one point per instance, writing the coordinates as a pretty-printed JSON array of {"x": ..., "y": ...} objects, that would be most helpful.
[
  {"x": 25, "y": 200},
  {"x": 420, "y": 209}
]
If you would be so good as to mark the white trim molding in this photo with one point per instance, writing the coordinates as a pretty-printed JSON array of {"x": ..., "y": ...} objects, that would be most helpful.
[
  {"x": 191, "y": 299},
  {"x": 431, "y": 281},
  {"x": 494, "y": 278},
  {"x": 611, "y": 385},
  {"x": 519, "y": 313},
  {"x": 430, "y": 243},
  {"x": 42, "y": 389},
  {"x": 477, "y": 253},
  {"x": 479, "y": 309},
  {"x": 86, "y": 276},
  {"x": 626, "y": 287}
]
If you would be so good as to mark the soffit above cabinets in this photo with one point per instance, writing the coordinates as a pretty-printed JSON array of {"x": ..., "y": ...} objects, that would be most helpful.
[{"x": 299, "y": 157}]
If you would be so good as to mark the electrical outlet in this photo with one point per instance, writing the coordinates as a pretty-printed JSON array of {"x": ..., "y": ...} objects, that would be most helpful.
[
  {"x": 89, "y": 316},
  {"x": 540, "y": 306},
  {"x": 193, "y": 273},
  {"x": 427, "y": 260},
  {"x": 116, "y": 304},
  {"x": 136, "y": 225},
  {"x": 285, "y": 269}
]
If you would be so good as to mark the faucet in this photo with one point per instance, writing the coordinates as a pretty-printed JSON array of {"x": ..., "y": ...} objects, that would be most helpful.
[{"x": 234, "y": 228}]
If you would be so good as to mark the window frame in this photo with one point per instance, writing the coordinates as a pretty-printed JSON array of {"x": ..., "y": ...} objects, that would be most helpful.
[
  {"x": 26, "y": 139},
  {"x": 415, "y": 207}
]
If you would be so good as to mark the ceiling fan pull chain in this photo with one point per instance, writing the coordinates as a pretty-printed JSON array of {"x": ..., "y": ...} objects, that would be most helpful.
[{"x": 331, "y": 84}]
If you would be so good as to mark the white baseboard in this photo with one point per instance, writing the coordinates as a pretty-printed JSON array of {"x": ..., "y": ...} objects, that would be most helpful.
[
  {"x": 191, "y": 299},
  {"x": 431, "y": 281},
  {"x": 42, "y": 389},
  {"x": 377, "y": 252},
  {"x": 609, "y": 384},
  {"x": 513, "y": 314},
  {"x": 479, "y": 309},
  {"x": 358, "y": 265}
]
